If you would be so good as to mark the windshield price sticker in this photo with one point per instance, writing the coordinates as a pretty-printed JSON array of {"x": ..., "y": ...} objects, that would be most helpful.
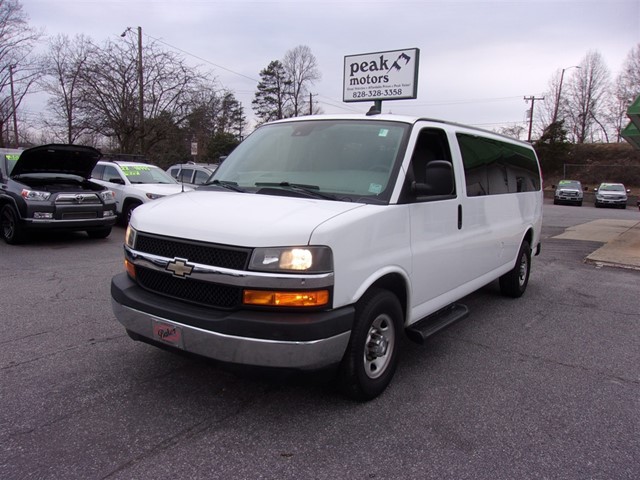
[
  {"x": 134, "y": 170},
  {"x": 389, "y": 75}
]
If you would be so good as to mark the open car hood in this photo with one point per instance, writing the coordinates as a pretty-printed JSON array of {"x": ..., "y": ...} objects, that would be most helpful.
[{"x": 57, "y": 158}]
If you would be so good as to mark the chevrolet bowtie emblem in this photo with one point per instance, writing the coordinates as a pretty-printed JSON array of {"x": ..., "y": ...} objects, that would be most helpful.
[{"x": 179, "y": 267}]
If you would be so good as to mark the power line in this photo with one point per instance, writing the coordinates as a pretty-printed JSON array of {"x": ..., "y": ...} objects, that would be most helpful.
[{"x": 202, "y": 59}]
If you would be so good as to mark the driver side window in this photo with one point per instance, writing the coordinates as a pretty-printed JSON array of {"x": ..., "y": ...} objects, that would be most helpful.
[{"x": 429, "y": 164}]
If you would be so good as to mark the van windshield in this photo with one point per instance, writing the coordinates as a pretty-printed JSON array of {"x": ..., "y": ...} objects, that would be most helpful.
[{"x": 352, "y": 160}]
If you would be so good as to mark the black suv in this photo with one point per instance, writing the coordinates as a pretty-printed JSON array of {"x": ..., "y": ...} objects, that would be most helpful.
[{"x": 48, "y": 188}]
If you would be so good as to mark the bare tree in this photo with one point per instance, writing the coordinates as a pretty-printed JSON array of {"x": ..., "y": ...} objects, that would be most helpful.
[
  {"x": 301, "y": 67},
  {"x": 111, "y": 93},
  {"x": 64, "y": 64},
  {"x": 625, "y": 90},
  {"x": 18, "y": 68},
  {"x": 585, "y": 97}
]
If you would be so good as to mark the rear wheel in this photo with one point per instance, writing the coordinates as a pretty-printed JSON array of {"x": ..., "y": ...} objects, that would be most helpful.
[
  {"x": 514, "y": 283},
  {"x": 12, "y": 231},
  {"x": 372, "y": 354}
]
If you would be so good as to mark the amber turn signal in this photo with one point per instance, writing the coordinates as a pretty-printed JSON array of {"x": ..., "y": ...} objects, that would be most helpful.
[
  {"x": 314, "y": 298},
  {"x": 130, "y": 268}
]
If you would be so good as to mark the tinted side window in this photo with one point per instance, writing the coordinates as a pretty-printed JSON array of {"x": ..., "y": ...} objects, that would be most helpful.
[
  {"x": 493, "y": 167},
  {"x": 201, "y": 177},
  {"x": 98, "y": 172},
  {"x": 185, "y": 175},
  {"x": 111, "y": 174}
]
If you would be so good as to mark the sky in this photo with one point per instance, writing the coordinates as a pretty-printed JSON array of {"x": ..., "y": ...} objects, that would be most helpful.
[{"x": 478, "y": 59}]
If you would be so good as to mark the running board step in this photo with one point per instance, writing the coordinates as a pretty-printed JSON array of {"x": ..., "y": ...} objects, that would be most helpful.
[{"x": 423, "y": 329}]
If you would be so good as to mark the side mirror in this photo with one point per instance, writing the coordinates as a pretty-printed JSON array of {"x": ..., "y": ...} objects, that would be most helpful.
[
  {"x": 117, "y": 181},
  {"x": 439, "y": 179}
]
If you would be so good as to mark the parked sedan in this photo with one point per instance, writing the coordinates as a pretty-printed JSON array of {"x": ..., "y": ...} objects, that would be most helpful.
[
  {"x": 48, "y": 188},
  {"x": 611, "y": 195}
]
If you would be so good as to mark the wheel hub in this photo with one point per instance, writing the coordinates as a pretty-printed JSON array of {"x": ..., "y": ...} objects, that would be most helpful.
[{"x": 377, "y": 345}]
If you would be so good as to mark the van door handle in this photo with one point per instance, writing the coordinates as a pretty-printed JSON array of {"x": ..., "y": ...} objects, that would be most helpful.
[{"x": 459, "y": 217}]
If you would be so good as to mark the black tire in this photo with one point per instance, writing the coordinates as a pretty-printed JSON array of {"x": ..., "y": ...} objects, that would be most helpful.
[
  {"x": 579, "y": 204},
  {"x": 99, "y": 232},
  {"x": 372, "y": 354},
  {"x": 555, "y": 202},
  {"x": 128, "y": 210},
  {"x": 514, "y": 283},
  {"x": 12, "y": 230}
]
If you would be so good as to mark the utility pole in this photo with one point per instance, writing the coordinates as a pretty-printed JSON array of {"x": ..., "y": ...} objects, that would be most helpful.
[
  {"x": 558, "y": 97},
  {"x": 141, "y": 91},
  {"x": 310, "y": 103},
  {"x": 140, "y": 86},
  {"x": 532, "y": 99},
  {"x": 13, "y": 106}
]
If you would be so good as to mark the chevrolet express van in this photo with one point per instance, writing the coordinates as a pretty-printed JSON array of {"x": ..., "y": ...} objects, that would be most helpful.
[{"x": 321, "y": 240}]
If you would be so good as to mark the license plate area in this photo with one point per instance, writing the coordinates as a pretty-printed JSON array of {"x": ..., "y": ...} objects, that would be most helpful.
[{"x": 167, "y": 333}]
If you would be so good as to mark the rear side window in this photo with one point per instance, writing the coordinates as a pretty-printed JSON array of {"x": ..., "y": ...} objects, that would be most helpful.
[{"x": 493, "y": 167}]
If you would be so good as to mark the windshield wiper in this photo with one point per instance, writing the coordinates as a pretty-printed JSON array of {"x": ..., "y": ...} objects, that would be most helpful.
[
  {"x": 227, "y": 184},
  {"x": 312, "y": 190}
]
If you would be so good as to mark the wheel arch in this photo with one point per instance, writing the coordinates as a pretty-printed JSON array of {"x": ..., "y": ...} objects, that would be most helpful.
[
  {"x": 396, "y": 283},
  {"x": 129, "y": 201}
]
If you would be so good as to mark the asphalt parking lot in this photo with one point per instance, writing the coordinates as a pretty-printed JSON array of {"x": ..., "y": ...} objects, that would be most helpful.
[{"x": 546, "y": 386}]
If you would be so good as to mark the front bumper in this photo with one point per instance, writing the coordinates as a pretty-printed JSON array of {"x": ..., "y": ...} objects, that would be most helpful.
[
  {"x": 610, "y": 201},
  {"x": 52, "y": 224},
  {"x": 567, "y": 198},
  {"x": 302, "y": 341}
]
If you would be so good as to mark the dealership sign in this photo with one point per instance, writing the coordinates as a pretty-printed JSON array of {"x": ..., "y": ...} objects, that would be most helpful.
[{"x": 389, "y": 75}]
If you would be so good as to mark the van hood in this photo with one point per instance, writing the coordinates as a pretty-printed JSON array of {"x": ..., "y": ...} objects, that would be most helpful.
[
  {"x": 161, "y": 188},
  {"x": 57, "y": 158},
  {"x": 241, "y": 219}
]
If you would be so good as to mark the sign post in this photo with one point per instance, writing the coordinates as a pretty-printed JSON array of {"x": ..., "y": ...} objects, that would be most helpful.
[{"x": 390, "y": 75}]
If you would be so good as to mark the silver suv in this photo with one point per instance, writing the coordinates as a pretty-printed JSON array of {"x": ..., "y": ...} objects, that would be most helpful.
[{"x": 192, "y": 173}]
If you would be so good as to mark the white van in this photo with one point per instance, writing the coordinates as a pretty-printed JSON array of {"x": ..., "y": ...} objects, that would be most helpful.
[{"x": 322, "y": 239}]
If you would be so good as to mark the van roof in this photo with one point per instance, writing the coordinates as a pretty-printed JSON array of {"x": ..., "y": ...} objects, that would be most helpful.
[{"x": 389, "y": 117}]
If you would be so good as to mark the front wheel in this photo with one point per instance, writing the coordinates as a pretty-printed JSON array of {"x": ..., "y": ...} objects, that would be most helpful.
[
  {"x": 372, "y": 354},
  {"x": 126, "y": 213},
  {"x": 99, "y": 232},
  {"x": 12, "y": 231},
  {"x": 514, "y": 283}
]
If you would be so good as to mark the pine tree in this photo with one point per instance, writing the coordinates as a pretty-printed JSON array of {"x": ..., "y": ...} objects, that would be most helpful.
[{"x": 271, "y": 99}]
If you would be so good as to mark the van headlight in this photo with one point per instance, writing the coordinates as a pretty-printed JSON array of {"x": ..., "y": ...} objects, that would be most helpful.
[
  {"x": 317, "y": 259},
  {"x": 130, "y": 236}
]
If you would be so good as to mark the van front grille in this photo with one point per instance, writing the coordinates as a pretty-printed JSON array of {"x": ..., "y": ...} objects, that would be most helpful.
[
  {"x": 189, "y": 290},
  {"x": 195, "y": 252}
]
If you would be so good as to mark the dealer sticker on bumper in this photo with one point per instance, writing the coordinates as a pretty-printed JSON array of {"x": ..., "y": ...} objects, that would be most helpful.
[{"x": 167, "y": 333}]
